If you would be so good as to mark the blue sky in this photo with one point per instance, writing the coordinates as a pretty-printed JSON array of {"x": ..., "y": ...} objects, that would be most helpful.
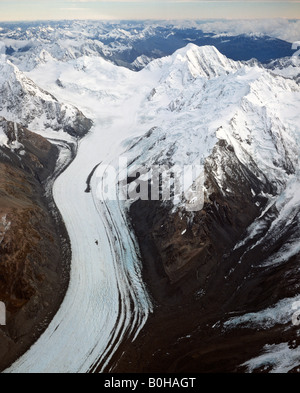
[{"x": 146, "y": 9}]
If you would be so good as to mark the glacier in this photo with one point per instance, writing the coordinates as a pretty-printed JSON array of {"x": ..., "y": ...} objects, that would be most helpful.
[{"x": 191, "y": 101}]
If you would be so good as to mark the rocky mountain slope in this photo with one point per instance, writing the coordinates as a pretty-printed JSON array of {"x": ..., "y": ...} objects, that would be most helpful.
[
  {"x": 223, "y": 279},
  {"x": 34, "y": 249}
]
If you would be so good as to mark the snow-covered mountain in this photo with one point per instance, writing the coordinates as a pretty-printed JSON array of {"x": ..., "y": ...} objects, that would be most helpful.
[
  {"x": 130, "y": 44},
  {"x": 141, "y": 62},
  {"x": 238, "y": 255},
  {"x": 240, "y": 121},
  {"x": 21, "y": 100},
  {"x": 288, "y": 67},
  {"x": 219, "y": 99}
]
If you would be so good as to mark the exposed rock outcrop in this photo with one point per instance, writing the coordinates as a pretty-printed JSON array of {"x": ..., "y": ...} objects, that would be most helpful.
[{"x": 199, "y": 278}]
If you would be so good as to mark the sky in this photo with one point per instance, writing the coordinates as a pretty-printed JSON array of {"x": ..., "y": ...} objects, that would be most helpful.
[{"x": 16, "y": 10}]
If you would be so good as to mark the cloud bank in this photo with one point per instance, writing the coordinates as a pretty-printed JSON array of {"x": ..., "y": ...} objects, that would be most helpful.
[{"x": 287, "y": 30}]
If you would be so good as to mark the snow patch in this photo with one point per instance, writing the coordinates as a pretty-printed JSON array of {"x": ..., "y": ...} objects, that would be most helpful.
[
  {"x": 281, "y": 313},
  {"x": 280, "y": 358},
  {"x": 3, "y": 137},
  {"x": 4, "y": 227}
]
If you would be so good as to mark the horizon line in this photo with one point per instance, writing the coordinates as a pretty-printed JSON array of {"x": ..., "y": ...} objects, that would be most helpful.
[{"x": 144, "y": 20}]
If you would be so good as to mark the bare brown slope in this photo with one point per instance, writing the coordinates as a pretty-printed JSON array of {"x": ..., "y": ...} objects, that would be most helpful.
[
  {"x": 34, "y": 250},
  {"x": 197, "y": 279}
]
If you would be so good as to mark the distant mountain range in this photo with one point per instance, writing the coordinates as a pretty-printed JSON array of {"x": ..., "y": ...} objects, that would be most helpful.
[{"x": 131, "y": 44}]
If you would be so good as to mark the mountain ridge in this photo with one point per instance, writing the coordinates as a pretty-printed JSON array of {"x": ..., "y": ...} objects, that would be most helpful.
[
  {"x": 124, "y": 42},
  {"x": 23, "y": 101}
]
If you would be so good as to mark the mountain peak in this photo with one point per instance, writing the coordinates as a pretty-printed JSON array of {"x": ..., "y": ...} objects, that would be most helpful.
[
  {"x": 205, "y": 61},
  {"x": 45, "y": 56},
  {"x": 206, "y": 50},
  {"x": 194, "y": 61}
]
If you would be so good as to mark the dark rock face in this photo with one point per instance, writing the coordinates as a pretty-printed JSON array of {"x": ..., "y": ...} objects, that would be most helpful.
[
  {"x": 80, "y": 127},
  {"x": 34, "y": 248},
  {"x": 191, "y": 244},
  {"x": 198, "y": 279}
]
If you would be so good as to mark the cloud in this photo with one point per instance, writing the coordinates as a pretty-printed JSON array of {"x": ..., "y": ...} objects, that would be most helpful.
[
  {"x": 162, "y": 9},
  {"x": 287, "y": 30},
  {"x": 182, "y": 1},
  {"x": 158, "y": 1},
  {"x": 72, "y": 9}
]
